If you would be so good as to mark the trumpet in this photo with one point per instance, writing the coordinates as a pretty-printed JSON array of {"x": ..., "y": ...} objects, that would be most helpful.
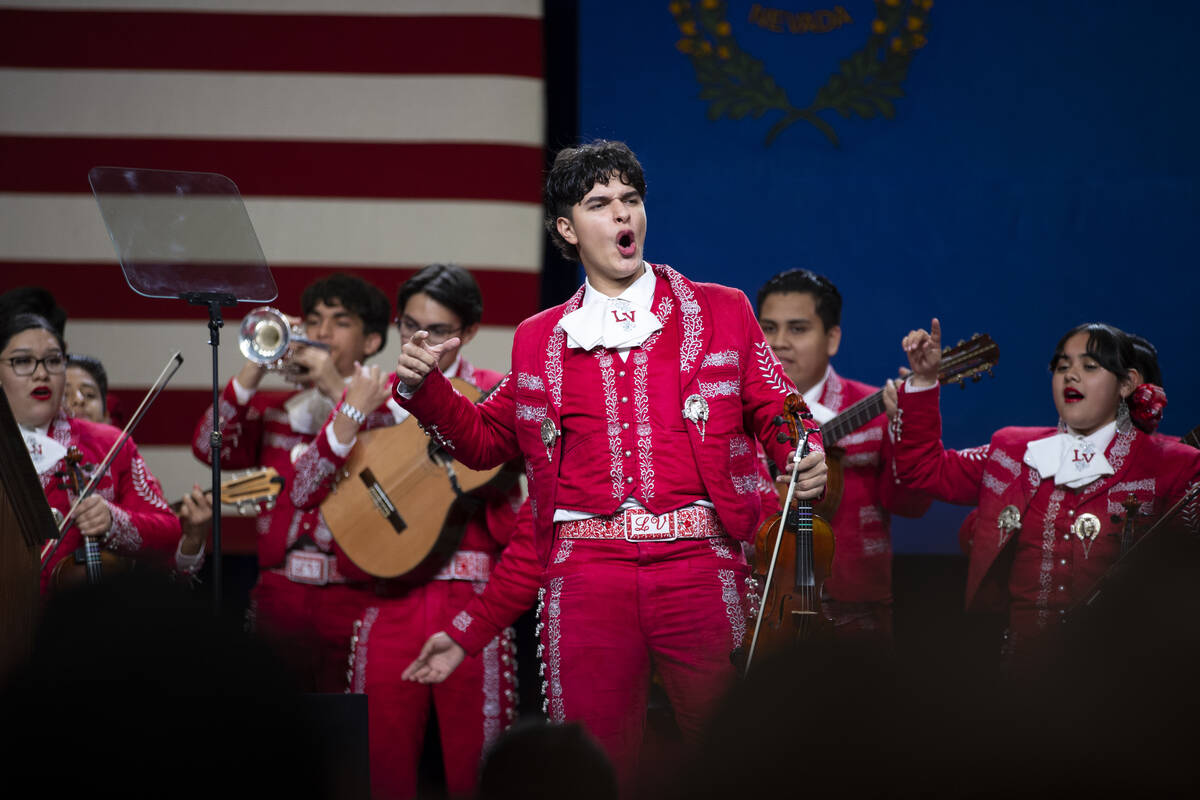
[{"x": 266, "y": 336}]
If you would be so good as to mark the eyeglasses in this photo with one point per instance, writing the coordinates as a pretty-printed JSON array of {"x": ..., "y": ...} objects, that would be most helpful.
[
  {"x": 437, "y": 333},
  {"x": 56, "y": 364}
]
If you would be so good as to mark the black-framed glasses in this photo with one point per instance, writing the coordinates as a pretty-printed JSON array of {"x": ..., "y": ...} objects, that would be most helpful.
[
  {"x": 437, "y": 333},
  {"x": 23, "y": 366}
]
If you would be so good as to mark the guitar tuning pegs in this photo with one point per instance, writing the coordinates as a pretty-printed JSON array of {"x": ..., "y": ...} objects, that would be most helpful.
[
  {"x": 782, "y": 437},
  {"x": 777, "y": 421}
]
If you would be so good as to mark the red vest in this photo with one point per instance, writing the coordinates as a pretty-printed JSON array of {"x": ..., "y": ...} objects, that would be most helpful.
[{"x": 622, "y": 427}]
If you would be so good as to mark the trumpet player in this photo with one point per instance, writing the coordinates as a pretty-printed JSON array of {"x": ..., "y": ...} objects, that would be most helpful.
[{"x": 301, "y": 605}]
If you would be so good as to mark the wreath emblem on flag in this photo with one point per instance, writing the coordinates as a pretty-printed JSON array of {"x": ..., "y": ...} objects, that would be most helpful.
[{"x": 736, "y": 84}]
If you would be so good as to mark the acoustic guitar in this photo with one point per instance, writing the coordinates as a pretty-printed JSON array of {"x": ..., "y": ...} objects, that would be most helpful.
[
  {"x": 965, "y": 360},
  {"x": 401, "y": 503}
]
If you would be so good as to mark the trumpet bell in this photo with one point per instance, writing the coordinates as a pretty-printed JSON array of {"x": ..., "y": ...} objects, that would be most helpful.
[{"x": 264, "y": 335}]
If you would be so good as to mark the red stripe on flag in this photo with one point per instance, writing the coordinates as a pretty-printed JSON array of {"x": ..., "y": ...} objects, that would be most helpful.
[
  {"x": 172, "y": 418},
  {"x": 184, "y": 40},
  {"x": 99, "y": 291},
  {"x": 421, "y": 170}
]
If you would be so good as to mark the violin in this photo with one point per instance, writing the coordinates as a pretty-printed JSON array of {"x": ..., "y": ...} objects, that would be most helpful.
[
  {"x": 800, "y": 545},
  {"x": 88, "y": 563}
]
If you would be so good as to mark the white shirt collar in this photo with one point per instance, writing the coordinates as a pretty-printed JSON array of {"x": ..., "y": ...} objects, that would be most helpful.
[
  {"x": 813, "y": 395},
  {"x": 812, "y": 399},
  {"x": 640, "y": 292}
]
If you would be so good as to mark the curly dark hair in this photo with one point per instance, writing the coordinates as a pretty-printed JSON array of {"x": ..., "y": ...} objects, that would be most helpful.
[
  {"x": 575, "y": 171},
  {"x": 356, "y": 296}
]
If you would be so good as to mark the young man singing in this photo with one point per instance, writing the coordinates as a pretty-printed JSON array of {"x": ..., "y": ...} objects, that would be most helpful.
[{"x": 635, "y": 405}]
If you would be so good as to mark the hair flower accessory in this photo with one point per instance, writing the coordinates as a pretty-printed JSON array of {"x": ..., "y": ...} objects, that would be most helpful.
[{"x": 1146, "y": 406}]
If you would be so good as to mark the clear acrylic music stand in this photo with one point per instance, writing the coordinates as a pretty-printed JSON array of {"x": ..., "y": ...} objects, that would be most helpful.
[{"x": 187, "y": 236}]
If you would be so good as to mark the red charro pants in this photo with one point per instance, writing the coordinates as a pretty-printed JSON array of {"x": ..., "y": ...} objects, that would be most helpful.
[
  {"x": 473, "y": 705},
  {"x": 612, "y": 609},
  {"x": 309, "y": 627}
]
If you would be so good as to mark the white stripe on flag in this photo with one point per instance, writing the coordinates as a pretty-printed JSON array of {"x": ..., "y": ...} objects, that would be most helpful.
[
  {"x": 505, "y": 235},
  {"x": 239, "y": 105}
]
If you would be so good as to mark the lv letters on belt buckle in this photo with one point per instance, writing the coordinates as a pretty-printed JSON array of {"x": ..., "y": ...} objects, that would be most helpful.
[
  {"x": 303, "y": 567},
  {"x": 642, "y": 526}
]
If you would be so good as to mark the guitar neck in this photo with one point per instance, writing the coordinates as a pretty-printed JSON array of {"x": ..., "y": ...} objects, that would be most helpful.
[{"x": 852, "y": 418}]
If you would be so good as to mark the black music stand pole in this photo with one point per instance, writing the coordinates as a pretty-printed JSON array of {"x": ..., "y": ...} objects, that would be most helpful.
[{"x": 214, "y": 301}]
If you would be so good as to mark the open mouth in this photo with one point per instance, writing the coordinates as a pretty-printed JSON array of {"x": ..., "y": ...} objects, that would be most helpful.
[
  {"x": 41, "y": 393},
  {"x": 626, "y": 243},
  {"x": 1072, "y": 395}
]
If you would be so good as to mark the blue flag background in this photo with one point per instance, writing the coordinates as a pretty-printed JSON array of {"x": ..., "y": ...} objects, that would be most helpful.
[{"x": 1038, "y": 169}]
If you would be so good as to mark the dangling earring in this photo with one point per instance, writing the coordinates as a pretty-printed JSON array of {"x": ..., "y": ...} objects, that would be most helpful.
[
  {"x": 1062, "y": 426},
  {"x": 1124, "y": 421}
]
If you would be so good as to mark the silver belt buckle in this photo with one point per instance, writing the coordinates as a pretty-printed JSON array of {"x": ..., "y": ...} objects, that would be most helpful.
[
  {"x": 642, "y": 526},
  {"x": 310, "y": 568}
]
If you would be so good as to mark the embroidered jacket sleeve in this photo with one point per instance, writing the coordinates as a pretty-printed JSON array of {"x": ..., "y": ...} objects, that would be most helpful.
[
  {"x": 922, "y": 463},
  {"x": 480, "y": 435},
  {"x": 894, "y": 496},
  {"x": 511, "y": 589},
  {"x": 764, "y": 388},
  {"x": 318, "y": 463},
  {"x": 141, "y": 519},
  {"x": 241, "y": 432}
]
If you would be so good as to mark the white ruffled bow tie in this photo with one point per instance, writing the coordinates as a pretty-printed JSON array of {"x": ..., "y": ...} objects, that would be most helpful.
[
  {"x": 615, "y": 323},
  {"x": 44, "y": 451},
  {"x": 1072, "y": 460}
]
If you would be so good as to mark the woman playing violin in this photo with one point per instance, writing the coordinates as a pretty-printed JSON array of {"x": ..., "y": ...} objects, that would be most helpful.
[
  {"x": 1050, "y": 500},
  {"x": 86, "y": 397},
  {"x": 127, "y": 511}
]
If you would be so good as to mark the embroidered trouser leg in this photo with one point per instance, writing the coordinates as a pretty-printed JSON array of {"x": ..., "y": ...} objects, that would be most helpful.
[
  {"x": 308, "y": 626},
  {"x": 473, "y": 705},
  {"x": 612, "y": 608}
]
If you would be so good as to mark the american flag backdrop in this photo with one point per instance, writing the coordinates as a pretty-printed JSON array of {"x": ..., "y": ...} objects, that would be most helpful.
[{"x": 369, "y": 136}]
